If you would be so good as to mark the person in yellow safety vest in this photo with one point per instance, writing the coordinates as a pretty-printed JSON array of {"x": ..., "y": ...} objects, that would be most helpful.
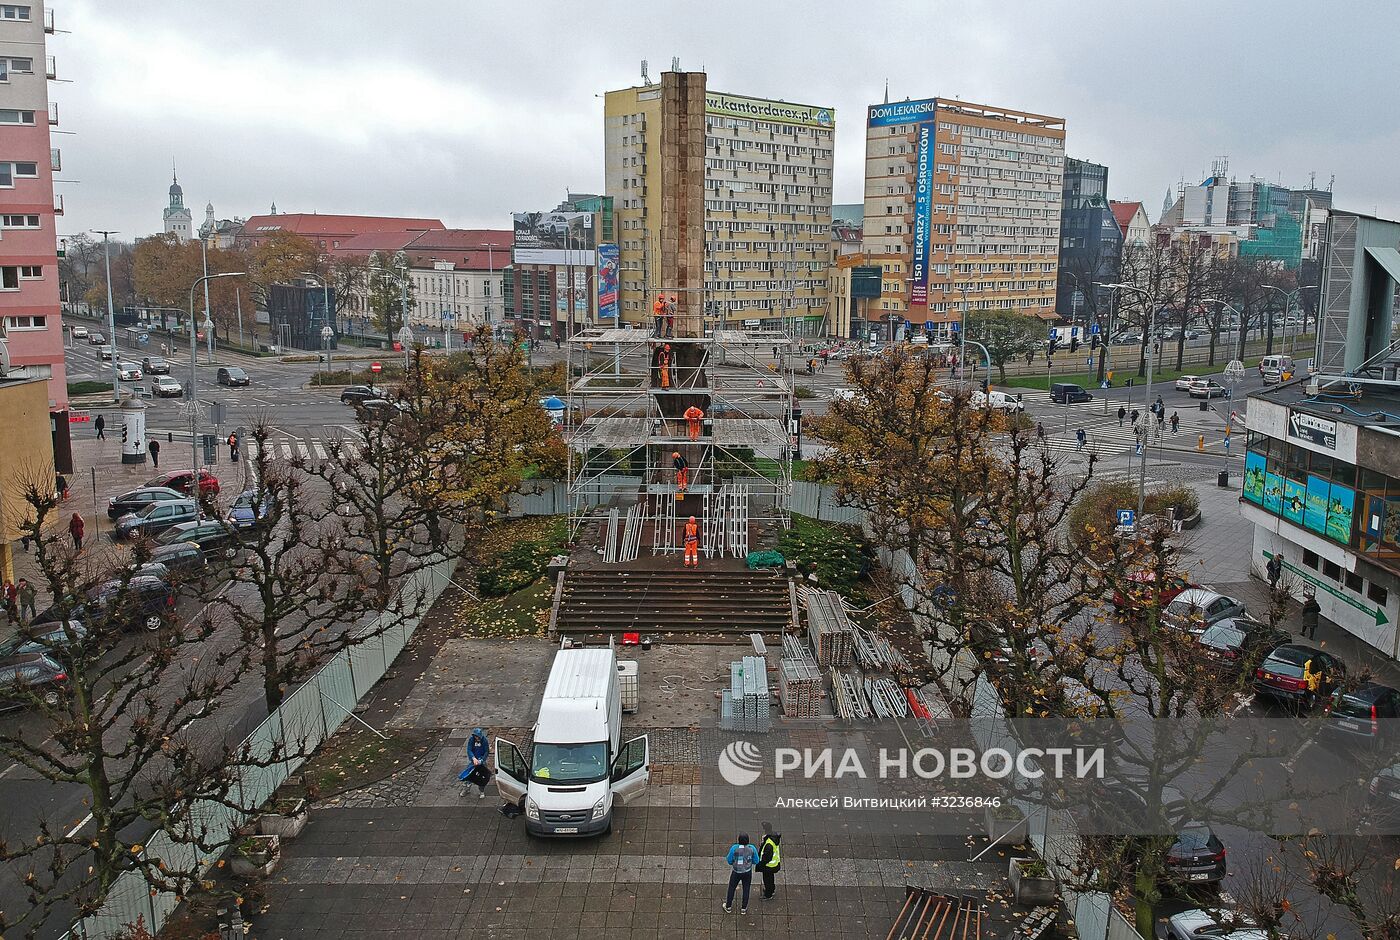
[
  {"x": 658, "y": 311},
  {"x": 663, "y": 365},
  {"x": 682, "y": 470},
  {"x": 1313, "y": 680},
  {"x": 693, "y": 416},
  {"x": 671, "y": 317},
  {"x": 770, "y": 859},
  {"x": 692, "y": 544}
]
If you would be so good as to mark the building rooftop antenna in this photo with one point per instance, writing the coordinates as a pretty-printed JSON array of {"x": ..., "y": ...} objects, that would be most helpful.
[
  {"x": 646, "y": 79},
  {"x": 675, "y": 63}
]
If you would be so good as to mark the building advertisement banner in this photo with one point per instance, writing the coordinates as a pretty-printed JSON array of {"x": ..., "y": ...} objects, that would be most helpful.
[
  {"x": 608, "y": 261},
  {"x": 581, "y": 292},
  {"x": 1294, "y": 498},
  {"x": 923, "y": 212},
  {"x": 1339, "y": 513},
  {"x": 759, "y": 109},
  {"x": 1273, "y": 493},
  {"x": 1254, "y": 477},
  {"x": 902, "y": 112},
  {"x": 561, "y": 292},
  {"x": 1315, "y": 508},
  {"x": 554, "y": 238}
]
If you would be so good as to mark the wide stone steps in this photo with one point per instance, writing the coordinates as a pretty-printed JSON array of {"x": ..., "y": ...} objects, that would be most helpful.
[{"x": 692, "y": 602}]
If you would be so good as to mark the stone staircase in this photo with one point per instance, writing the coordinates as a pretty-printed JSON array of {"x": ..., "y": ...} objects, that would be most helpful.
[{"x": 699, "y": 604}]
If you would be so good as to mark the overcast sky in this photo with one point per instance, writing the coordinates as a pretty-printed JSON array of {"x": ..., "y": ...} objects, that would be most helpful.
[{"x": 468, "y": 110}]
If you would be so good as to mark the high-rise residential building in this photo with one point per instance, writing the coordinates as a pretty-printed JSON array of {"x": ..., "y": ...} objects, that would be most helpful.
[
  {"x": 29, "y": 307},
  {"x": 970, "y": 194},
  {"x": 1091, "y": 243},
  {"x": 721, "y": 199},
  {"x": 179, "y": 220}
]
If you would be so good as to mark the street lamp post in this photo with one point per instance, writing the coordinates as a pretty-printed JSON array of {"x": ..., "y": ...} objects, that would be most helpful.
[
  {"x": 490, "y": 276},
  {"x": 405, "y": 338},
  {"x": 1147, "y": 399},
  {"x": 1288, "y": 298},
  {"x": 194, "y": 380},
  {"x": 327, "y": 334},
  {"x": 111, "y": 314}
]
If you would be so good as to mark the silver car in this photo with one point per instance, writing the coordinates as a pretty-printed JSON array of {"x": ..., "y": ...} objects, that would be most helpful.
[{"x": 1194, "y": 609}]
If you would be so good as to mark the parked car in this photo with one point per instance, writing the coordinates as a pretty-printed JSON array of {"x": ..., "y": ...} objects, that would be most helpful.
[
  {"x": 382, "y": 409},
  {"x": 1291, "y": 671},
  {"x": 79, "y": 332},
  {"x": 1066, "y": 393},
  {"x": 1383, "y": 795},
  {"x": 96, "y": 339},
  {"x": 1140, "y": 591},
  {"x": 143, "y": 602},
  {"x": 1368, "y": 714},
  {"x": 1197, "y": 608},
  {"x": 29, "y": 676},
  {"x": 156, "y": 518},
  {"x": 179, "y": 557},
  {"x": 156, "y": 365},
  {"x": 45, "y": 639},
  {"x": 1201, "y": 924},
  {"x": 1236, "y": 641},
  {"x": 214, "y": 538},
  {"x": 107, "y": 352},
  {"x": 1184, "y": 383},
  {"x": 1128, "y": 339},
  {"x": 163, "y": 386},
  {"x": 128, "y": 372},
  {"x": 183, "y": 480},
  {"x": 249, "y": 510},
  {"x": 1197, "y": 856},
  {"x": 1206, "y": 388},
  {"x": 138, "y": 499},
  {"x": 232, "y": 376},
  {"x": 354, "y": 394}
]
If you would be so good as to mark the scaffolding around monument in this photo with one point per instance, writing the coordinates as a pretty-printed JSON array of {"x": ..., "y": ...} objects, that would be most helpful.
[{"x": 628, "y": 391}]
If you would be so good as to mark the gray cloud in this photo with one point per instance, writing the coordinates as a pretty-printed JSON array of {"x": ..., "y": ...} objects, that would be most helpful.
[{"x": 469, "y": 111}]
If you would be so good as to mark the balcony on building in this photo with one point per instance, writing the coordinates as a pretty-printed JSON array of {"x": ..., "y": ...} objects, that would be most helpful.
[
  {"x": 48, "y": 22},
  {"x": 53, "y": 113},
  {"x": 55, "y": 159},
  {"x": 57, "y": 204},
  {"x": 50, "y": 67}
]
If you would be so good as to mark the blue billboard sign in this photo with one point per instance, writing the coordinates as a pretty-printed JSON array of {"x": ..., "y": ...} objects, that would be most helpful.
[
  {"x": 923, "y": 215},
  {"x": 902, "y": 112},
  {"x": 608, "y": 256}
]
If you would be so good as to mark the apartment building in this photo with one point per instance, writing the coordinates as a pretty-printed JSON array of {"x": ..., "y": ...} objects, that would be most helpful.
[
  {"x": 29, "y": 307},
  {"x": 754, "y": 175},
  {"x": 970, "y": 194}
]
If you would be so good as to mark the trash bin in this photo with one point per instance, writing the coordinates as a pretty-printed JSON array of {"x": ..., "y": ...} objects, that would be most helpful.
[
  {"x": 1223, "y": 478},
  {"x": 1205, "y": 404}
]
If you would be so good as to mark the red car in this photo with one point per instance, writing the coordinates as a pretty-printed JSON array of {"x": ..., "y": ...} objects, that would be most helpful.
[
  {"x": 183, "y": 480},
  {"x": 1140, "y": 594}
]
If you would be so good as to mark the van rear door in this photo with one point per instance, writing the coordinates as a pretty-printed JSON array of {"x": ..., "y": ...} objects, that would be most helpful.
[
  {"x": 631, "y": 772},
  {"x": 512, "y": 772}
]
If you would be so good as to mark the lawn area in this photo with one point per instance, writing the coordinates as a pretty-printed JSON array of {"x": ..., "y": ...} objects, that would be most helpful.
[
  {"x": 1090, "y": 380},
  {"x": 838, "y": 556},
  {"x": 88, "y": 387},
  {"x": 355, "y": 757},
  {"x": 524, "y": 613}
]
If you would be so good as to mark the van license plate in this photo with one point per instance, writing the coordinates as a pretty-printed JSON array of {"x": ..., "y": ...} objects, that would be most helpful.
[
  {"x": 1200, "y": 876},
  {"x": 566, "y": 829},
  {"x": 1349, "y": 725}
]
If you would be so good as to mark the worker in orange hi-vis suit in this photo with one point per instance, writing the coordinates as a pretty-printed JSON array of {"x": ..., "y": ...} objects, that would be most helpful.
[
  {"x": 658, "y": 310},
  {"x": 682, "y": 470},
  {"x": 692, "y": 544},
  {"x": 692, "y": 416},
  {"x": 663, "y": 363}
]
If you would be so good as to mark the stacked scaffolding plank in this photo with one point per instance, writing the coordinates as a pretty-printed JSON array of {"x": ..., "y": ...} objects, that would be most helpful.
[
  {"x": 744, "y": 705},
  {"x": 799, "y": 680},
  {"x": 829, "y": 629}
]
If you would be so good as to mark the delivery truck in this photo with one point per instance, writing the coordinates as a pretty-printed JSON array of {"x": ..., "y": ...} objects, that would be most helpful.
[{"x": 578, "y": 765}]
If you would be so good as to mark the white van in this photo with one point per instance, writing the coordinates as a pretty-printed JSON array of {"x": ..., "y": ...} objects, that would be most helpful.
[
  {"x": 1276, "y": 369},
  {"x": 578, "y": 764}
]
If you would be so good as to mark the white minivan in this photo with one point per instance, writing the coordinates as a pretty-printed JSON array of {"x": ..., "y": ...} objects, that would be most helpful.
[
  {"x": 1273, "y": 369},
  {"x": 578, "y": 763}
]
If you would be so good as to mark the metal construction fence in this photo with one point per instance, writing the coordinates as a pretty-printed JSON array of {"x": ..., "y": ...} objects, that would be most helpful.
[
  {"x": 551, "y": 498},
  {"x": 308, "y": 716}
]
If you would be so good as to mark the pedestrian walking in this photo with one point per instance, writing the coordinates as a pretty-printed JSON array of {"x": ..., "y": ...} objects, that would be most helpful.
[
  {"x": 154, "y": 448},
  {"x": 1274, "y": 569},
  {"x": 75, "y": 530},
  {"x": 1178, "y": 518},
  {"x": 101, "y": 425},
  {"x": 1122, "y": 413},
  {"x": 1160, "y": 405},
  {"x": 1311, "y": 610},
  {"x": 1176, "y": 422},
  {"x": 1161, "y": 418},
  {"x": 741, "y": 859},
  {"x": 1080, "y": 439},
  {"x": 11, "y": 602},
  {"x": 1039, "y": 432},
  {"x": 1135, "y": 416},
  {"x": 26, "y": 593},
  {"x": 1030, "y": 356},
  {"x": 1137, "y": 432},
  {"x": 770, "y": 859},
  {"x": 478, "y": 770},
  {"x": 60, "y": 486},
  {"x": 558, "y": 342}
]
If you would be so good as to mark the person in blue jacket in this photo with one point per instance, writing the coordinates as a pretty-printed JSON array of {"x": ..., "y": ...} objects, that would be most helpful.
[
  {"x": 478, "y": 750},
  {"x": 741, "y": 859}
]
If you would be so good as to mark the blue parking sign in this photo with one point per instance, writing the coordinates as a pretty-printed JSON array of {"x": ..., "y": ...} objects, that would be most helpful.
[{"x": 1127, "y": 516}]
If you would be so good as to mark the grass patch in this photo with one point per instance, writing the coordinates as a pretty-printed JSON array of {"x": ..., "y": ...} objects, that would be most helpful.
[
  {"x": 1090, "y": 380},
  {"x": 392, "y": 372},
  {"x": 355, "y": 757},
  {"x": 1096, "y": 512},
  {"x": 88, "y": 387},
  {"x": 516, "y": 555},
  {"x": 837, "y": 555},
  {"x": 524, "y": 613}
]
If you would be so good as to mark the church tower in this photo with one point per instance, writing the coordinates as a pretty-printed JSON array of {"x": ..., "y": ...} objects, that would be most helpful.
[{"x": 178, "y": 219}]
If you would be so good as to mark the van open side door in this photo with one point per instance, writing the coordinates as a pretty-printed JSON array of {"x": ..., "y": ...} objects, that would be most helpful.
[
  {"x": 631, "y": 772},
  {"x": 512, "y": 772}
]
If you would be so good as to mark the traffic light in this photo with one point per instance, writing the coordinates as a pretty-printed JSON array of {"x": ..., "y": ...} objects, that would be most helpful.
[
  {"x": 1094, "y": 341},
  {"x": 1054, "y": 345},
  {"x": 1074, "y": 344}
]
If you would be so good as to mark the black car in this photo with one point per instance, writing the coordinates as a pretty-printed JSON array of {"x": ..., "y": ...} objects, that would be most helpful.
[
  {"x": 355, "y": 394},
  {"x": 214, "y": 538},
  {"x": 156, "y": 518},
  {"x": 178, "y": 557},
  {"x": 1235, "y": 641},
  {"x": 1197, "y": 856},
  {"x": 1298, "y": 675},
  {"x": 138, "y": 499},
  {"x": 232, "y": 375},
  {"x": 1368, "y": 714},
  {"x": 155, "y": 365},
  {"x": 43, "y": 638},
  {"x": 143, "y": 602},
  {"x": 1066, "y": 393},
  {"x": 29, "y": 676}
]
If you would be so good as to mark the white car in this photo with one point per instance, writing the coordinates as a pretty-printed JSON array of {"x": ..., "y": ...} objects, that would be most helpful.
[
  {"x": 1199, "y": 924},
  {"x": 80, "y": 332},
  {"x": 1184, "y": 383},
  {"x": 999, "y": 400},
  {"x": 163, "y": 386},
  {"x": 1206, "y": 388},
  {"x": 128, "y": 372},
  {"x": 107, "y": 352}
]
